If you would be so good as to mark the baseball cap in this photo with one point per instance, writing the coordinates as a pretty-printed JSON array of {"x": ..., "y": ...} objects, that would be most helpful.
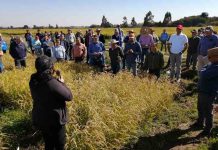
[
  {"x": 43, "y": 63},
  {"x": 113, "y": 41},
  {"x": 180, "y": 27}
]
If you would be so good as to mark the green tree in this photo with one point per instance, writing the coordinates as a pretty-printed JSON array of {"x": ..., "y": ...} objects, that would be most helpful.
[
  {"x": 133, "y": 22},
  {"x": 125, "y": 22},
  {"x": 148, "y": 20},
  {"x": 167, "y": 19}
]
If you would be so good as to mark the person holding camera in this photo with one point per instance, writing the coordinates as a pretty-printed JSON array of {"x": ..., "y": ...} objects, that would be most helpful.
[{"x": 49, "y": 94}]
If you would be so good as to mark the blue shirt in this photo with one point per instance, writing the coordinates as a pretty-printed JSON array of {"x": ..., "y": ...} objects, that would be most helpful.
[
  {"x": 137, "y": 50},
  {"x": 164, "y": 37},
  {"x": 58, "y": 52},
  {"x": 208, "y": 82},
  {"x": 96, "y": 48},
  {"x": 206, "y": 43}
]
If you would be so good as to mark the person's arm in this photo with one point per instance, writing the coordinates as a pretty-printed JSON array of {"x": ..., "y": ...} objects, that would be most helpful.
[
  {"x": 84, "y": 52},
  {"x": 186, "y": 44},
  {"x": 169, "y": 44},
  {"x": 62, "y": 92},
  {"x": 72, "y": 51}
]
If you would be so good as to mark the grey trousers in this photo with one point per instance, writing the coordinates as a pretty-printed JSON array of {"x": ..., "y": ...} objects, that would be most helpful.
[
  {"x": 175, "y": 63},
  {"x": 205, "y": 110}
]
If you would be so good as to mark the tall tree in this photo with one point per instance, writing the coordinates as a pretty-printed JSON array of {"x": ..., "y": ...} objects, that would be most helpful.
[
  {"x": 125, "y": 22},
  {"x": 105, "y": 23},
  {"x": 167, "y": 18},
  {"x": 148, "y": 20},
  {"x": 204, "y": 15},
  {"x": 133, "y": 22}
]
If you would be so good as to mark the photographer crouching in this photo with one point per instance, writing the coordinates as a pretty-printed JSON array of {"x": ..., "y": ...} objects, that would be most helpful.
[{"x": 49, "y": 112}]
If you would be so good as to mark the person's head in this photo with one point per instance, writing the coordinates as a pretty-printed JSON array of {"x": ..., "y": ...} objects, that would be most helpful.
[
  {"x": 194, "y": 33},
  {"x": 36, "y": 37},
  {"x": 179, "y": 29},
  {"x": 57, "y": 42},
  {"x": 62, "y": 37},
  {"x": 130, "y": 32},
  {"x": 95, "y": 38},
  {"x": 153, "y": 47},
  {"x": 98, "y": 31},
  {"x": 69, "y": 31},
  {"x": 46, "y": 38},
  {"x": 131, "y": 37},
  {"x": 142, "y": 30},
  {"x": 152, "y": 31},
  {"x": 44, "y": 64},
  {"x": 164, "y": 30},
  {"x": 38, "y": 30},
  {"x": 208, "y": 31},
  {"x": 18, "y": 39},
  {"x": 213, "y": 55},
  {"x": 114, "y": 43},
  {"x": 78, "y": 40}
]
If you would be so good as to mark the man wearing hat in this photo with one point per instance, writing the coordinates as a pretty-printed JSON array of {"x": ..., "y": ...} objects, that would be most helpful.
[
  {"x": 132, "y": 51},
  {"x": 177, "y": 45},
  {"x": 207, "y": 42},
  {"x": 100, "y": 36},
  {"x": 192, "y": 53},
  {"x": 116, "y": 55},
  {"x": 207, "y": 93},
  {"x": 49, "y": 113}
]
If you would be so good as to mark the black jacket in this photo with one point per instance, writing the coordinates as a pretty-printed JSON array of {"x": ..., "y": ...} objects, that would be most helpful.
[
  {"x": 49, "y": 96},
  {"x": 193, "y": 44},
  {"x": 154, "y": 61},
  {"x": 101, "y": 38},
  {"x": 17, "y": 51}
]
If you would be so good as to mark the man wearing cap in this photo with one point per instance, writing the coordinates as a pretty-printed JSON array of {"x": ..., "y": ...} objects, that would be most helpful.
[
  {"x": 96, "y": 53},
  {"x": 207, "y": 93},
  {"x": 100, "y": 36},
  {"x": 116, "y": 55},
  {"x": 18, "y": 52},
  {"x": 131, "y": 51},
  {"x": 70, "y": 39},
  {"x": 49, "y": 113},
  {"x": 192, "y": 52},
  {"x": 207, "y": 42},
  {"x": 177, "y": 45}
]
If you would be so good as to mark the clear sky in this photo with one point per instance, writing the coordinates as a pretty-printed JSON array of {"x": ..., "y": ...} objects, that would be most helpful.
[{"x": 87, "y": 12}]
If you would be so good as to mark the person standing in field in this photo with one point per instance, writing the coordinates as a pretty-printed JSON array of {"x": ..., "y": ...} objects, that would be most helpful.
[
  {"x": 100, "y": 36},
  {"x": 37, "y": 47},
  {"x": 207, "y": 42},
  {"x": 207, "y": 93},
  {"x": 47, "y": 46},
  {"x": 1, "y": 63},
  {"x": 131, "y": 51},
  {"x": 40, "y": 35},
  {"x": 164, "y": 38},
  {"x": 145, "y": 40},
  {"x": 116, "y": 55},
  {"x": 96, "y": 53},
  {"x": 192, "y": 52},
  {"x": 29, "y": 38},
  {"x": 3, "y": 44},
  {"x": 18, "y": 52},
  {"x": 79, "y": 51},
  {"x": 154, "y": 61},
  {"x": 66, "y": 45},
  {"x": 177, "y": 45},
  {"x": 154, "y": 35},
  {"x": 58, "y": 51},
  {"x": 80, "y": 35},
  {"x": 88, "y": 41},
  {"x": 70, "y": 38},
  {"x": 49, "y": 94}
]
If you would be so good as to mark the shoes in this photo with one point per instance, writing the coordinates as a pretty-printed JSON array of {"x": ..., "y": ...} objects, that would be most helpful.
[{"x": 205, "y": 133}]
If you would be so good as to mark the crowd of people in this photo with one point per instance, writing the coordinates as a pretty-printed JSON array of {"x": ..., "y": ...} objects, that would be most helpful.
[{"x": 129, "y": 52}]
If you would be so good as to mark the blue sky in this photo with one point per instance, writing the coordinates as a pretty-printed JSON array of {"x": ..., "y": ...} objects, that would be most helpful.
[{"x": 87, "y": 12}]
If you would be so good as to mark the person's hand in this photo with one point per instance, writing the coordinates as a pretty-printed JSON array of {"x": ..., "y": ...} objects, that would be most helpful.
[{"x": 61, "y": 79}]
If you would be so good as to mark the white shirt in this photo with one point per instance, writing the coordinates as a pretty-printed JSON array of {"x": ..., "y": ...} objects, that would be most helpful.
[{"x": 178, "y": 43}]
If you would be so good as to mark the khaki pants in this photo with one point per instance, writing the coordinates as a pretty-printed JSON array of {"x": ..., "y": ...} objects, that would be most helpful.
[{"x": 202, "y": 61}]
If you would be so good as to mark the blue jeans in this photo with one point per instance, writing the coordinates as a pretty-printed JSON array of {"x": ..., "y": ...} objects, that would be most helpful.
[{"x": 133, "y": 66}]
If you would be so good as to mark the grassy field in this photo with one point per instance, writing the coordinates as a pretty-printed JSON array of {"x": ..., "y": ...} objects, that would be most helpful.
[{"x": 123, "y": 113}]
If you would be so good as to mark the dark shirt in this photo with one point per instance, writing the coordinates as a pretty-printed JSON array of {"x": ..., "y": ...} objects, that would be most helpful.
[
  {"x": 101, "y": 38},
  {"x": 208, "y": 82},
  {"x": 154, "y": 61},
  {"x": 193, "y": 44},
  {"x": 49, "y": 96},
  {"x": 18, "y": 51},
  {"x": 116, "y": 55},
  {"x": 206, "y": 43},
  {"x": 137, "y": 50}
]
